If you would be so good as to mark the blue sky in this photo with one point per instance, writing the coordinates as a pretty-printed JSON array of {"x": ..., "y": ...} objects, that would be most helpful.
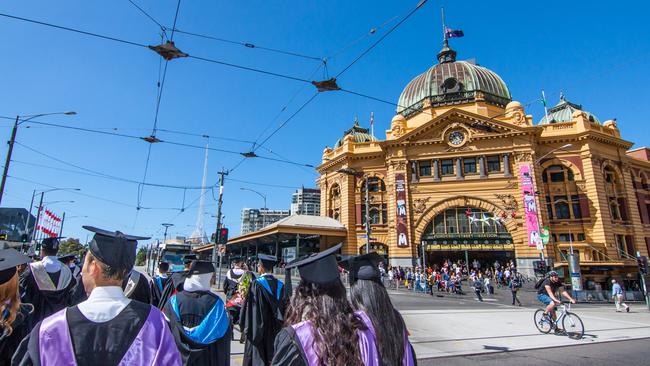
[{"x": 597, "y": 55}]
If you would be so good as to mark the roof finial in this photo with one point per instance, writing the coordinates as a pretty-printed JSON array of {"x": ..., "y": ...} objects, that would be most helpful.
[
  {"x": 562, "y": 98},
  {"x": 356, "y": 120}
]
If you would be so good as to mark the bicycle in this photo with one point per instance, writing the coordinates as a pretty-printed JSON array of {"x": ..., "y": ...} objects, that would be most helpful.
[{"x": 572, "y": 325}]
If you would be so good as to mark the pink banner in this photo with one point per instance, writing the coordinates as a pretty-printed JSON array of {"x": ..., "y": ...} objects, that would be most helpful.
[
  {"x": 400, "y": 197},
  {"x": 530, "y": 205}
]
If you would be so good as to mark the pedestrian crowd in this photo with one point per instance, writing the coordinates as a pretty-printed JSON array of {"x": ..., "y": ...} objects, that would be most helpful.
[{"x": 98, "y": 310}]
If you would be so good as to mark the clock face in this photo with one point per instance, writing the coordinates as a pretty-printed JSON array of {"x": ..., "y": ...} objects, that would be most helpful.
[{"x": 456, "y": 138}]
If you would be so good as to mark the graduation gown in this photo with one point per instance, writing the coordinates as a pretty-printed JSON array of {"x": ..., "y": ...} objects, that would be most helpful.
[
  {"x": 231, "y": 282},
  {"x": 157, "y": 285},
  {"x": 174, "y": 285},
  {"x": 201, "y": 327},
  {"x": 48, "y": 294},
  {"x": 136, "y": 287},
  {"x": 9, "y": 342},
  {"x": 138, "y": 335},
  {"x": 261, "y": 319}
]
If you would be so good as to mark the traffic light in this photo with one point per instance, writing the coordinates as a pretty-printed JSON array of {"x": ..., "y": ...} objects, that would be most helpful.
[
  {"x": 222, "y": 237},
  {"x": 540, "y": 267},
  {"x": 643, "y": 264},
  {"x": 24, "y": 238}
]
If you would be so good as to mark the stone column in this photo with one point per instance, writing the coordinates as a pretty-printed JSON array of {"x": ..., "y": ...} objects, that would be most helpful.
[
  {"x": 459, "y": 168},
  {"x": 435, "y": 169},
  {"x": 481, "y": 166},
  {"x": 506, "y": 165}
]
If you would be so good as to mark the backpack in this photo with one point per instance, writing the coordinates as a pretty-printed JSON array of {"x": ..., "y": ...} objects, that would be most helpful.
[{"x": 539, "y": 282}]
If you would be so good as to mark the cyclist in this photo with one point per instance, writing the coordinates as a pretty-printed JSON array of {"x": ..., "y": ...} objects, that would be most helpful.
[{"x": 548, "y": 289}]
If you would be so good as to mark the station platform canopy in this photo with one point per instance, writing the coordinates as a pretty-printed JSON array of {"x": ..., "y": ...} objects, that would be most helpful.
[{"x": 287, "y": 239}]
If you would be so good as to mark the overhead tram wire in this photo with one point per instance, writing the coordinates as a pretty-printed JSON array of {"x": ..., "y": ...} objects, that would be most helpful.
[
  {"x": 162, "y": 28},
  {"x": 422, "y": 2}
]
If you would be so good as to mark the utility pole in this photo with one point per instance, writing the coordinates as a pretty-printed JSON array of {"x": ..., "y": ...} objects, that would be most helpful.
[
  {"x": 222, "y": 173},
  {"x": 38, "y": 217},
  {"x": 29, "y": 214},
  {"x": 61, "y": 228},
  {"x": 8, "y": 160}
]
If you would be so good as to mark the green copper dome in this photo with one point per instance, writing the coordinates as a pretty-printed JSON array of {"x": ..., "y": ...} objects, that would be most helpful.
[
  {"x": 358, "y": 133},
  {"x": 452, "y": 82},
  {"x": 563, "y": 112}
]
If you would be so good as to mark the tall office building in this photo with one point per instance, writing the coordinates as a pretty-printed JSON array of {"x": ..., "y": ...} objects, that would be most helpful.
[
  {"x": 253, "y": 219},
  {"x": 306, "y": 201}
]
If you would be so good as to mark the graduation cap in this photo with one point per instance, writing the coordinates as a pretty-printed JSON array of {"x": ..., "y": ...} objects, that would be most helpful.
[
  {"x": 268, "y": 261},
  {"x": 200, "y": 267},
  {"x": 114, "y": 248},
  {"x": 9, "y": 259},
  {"x": 320, "y": 268},
  {"x": 51, "y": 244},
  {"x": 67, "y": 257},
  {"x": 363, "y": 267}
]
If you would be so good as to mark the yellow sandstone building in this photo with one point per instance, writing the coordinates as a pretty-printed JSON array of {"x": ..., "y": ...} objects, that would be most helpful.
[{"x": 464, "y": 173}]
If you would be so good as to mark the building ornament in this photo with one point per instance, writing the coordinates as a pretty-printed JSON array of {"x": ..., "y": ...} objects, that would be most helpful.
[
  {"x": 509, "y": 202},
  {"x": 420, "y": 205},
  {"x": 522, "y": 157}
]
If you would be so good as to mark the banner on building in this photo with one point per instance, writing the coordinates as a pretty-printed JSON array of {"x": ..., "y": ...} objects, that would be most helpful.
[
  {"x": 530, "y": 206},
  {"x": 400, "y": 197}
]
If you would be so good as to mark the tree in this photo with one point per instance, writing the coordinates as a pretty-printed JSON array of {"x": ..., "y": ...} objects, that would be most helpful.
[
  {"x": 141, "y": 256},
  {"x": 72, "y": 246}
]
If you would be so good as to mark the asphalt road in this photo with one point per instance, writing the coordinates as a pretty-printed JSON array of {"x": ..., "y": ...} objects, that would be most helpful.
[{"x": 633, "y": 352}]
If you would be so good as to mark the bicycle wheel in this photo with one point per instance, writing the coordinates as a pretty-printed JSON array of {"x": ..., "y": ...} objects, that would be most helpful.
[
  {"x": 542, "y": 322},
  {"x": 573, "y": 326}
]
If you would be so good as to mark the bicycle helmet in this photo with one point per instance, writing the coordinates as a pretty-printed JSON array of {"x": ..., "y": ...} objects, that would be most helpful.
[{"x": 552, "y": 273}]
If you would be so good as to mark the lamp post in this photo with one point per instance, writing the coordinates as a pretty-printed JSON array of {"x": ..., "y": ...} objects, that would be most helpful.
[
  {"x": 263, "y": 197},
  {"x": 167, "y": 226},
  {"x": 20, "y": 120},
  {"x": 63, "y": 220},
  {"x": 350, "y": 171}
]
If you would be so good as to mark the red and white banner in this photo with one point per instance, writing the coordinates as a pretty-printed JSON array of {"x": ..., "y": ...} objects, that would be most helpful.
[{"x": 49, "y": 224}]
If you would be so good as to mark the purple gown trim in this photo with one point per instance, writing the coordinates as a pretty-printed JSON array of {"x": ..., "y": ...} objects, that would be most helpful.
[
  {"x": 367, "y": 347},
  {"x": 154, "y": 344}
]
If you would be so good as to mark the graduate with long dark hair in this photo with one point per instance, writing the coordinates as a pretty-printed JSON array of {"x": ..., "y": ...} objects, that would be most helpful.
[
  {"x": 367, "y": 293},
  {"x": 321, "y": 327},
  {"x": 13, "y": 314}
]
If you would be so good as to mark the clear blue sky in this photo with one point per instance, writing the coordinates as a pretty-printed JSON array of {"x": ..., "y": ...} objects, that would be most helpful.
[{"x": 597, "y": 53}]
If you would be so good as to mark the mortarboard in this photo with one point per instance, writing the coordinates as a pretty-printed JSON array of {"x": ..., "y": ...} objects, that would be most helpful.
[
  {"x": 319, "y": 267},
  {"x": 51, "y": 244},
  {"x": 268, "y": 261},
  {"x": 363, "y": 267},
  {"x": 67, "y": 257},
  {"x": 9, "y": 259},
  {"x": 200, "y": 267},
  {"x": 115, "y": 249}
]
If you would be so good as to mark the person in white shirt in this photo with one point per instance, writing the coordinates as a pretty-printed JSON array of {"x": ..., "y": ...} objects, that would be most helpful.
[{"x": 108, "y": 328}]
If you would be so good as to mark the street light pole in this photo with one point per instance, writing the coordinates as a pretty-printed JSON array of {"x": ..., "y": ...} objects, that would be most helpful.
[
  {"x": 367, "y": 219},
  {"x": 62, "y": 221},
  {"x": 263, "y": 197},
  {"x": 38, "y": 217},
  {"x": 167, "y": 226},
  {"x": 11, "y": 146}
]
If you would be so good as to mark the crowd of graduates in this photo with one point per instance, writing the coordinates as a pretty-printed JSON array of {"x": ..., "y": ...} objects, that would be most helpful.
[{"x": 57, "y": 310}]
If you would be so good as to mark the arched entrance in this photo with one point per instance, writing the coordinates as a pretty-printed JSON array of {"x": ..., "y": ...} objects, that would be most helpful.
[{"x": 468, "y": 234}]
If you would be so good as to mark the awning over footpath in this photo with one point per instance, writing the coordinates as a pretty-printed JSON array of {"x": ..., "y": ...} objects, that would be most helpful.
[{"x": 325, "y": 230}]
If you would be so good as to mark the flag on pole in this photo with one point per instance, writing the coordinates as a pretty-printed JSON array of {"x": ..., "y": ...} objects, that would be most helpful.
[{"x": 454, "y": 33}]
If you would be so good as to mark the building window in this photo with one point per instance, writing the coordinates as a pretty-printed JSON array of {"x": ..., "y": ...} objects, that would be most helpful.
[
  {"x": 493, "y": 163},
  {"x": 557, "y": 174},
  {"x": 425, "y": 168},
  {"x": 447, "y": 167},
  {"x": 374, "y": 185},
  {"x": 378, "y": 214},
  {"x": 575, "y": 207},
  {"x": 465, "y": 220},
  {"x": 625, "y": 246},
  {"x": 581, "y": 237},
  {"x": 469, "y": 165},
  {"x": 565, "y": 237},
  {"x": 561, "y": 208},
  {"x": 549, "y": 207},
  {"x": 614, "y": 208}
]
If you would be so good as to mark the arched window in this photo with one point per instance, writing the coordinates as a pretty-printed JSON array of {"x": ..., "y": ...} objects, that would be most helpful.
[
  {"x": 615, "y": 194},
  {"x": 563, "y": 200},
  {"x": 377, "y": 201},
  {"x": 335, "y": 202},
  {"x": 467, "y": 225}
]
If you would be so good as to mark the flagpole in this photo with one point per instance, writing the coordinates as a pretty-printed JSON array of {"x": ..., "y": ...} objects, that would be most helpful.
[
  {"x": 545, "y": 107},
  {"x": 444, "y": 28}
]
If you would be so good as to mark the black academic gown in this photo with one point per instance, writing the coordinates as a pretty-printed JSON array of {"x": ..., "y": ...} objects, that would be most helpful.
[
  {"x": 78, "y": 292},
  {"x": 230, "y": 283},
  {"x": 9, "y": 342},
  {"x": 193, "y": 308},
  {"x": 94, "y": 343},
  {"x": 174, "y": 285},
  {"x": 261, "y": 320},
  {"x": 141, "y": 291},
  {"x": 288, "y": 351},
  {"x": 45, "y": 303},
  {"x": 157, "y": 288}
]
